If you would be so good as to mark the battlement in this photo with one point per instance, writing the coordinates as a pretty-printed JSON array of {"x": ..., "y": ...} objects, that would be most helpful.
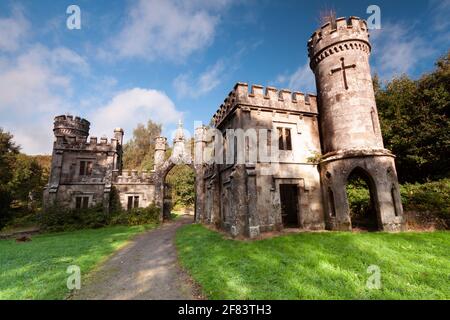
[
  {"x": 344, "y": 34},
  {"x": 132, "y": 177},
  {"x": 201, "y": 134},
  {"x": 260, "y": 98},
  {"x": 82, "y": 144},
  {"x": 161, "y": 143},
  {"x": 71, "y": 126}
]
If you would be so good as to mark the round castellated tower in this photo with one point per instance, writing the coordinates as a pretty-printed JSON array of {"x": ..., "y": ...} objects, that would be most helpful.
[
  {"x": 352, "y": 143},
  {"x": 339, "y": 57},
  {"x": 66, "y": 125}
]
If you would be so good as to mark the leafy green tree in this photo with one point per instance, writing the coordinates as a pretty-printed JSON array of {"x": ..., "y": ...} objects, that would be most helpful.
[
  {"x": 28, "y": 180},
  {"x": 182, "y": 185},
  {"x": 8, "y": 152},
  {"x": 140, "y": 150},
  {"x": 415, "y": 122}
]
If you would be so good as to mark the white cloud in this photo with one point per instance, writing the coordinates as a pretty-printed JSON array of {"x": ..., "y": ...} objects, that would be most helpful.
[
  {"x": 166, "y": 29},
  {"x": 301, "y": 79},
  {"x": 14, "y": 30},
  {"x": 441, "y": 12},
  {"x": 128, "y": 108},
  {"x": 186, "y": 85},
  {"x": 396, "y": 50},
  {"x": 34, "y": 80},
  {"x": 33, "y": 89},
  {"x": 35, "y": 85}
]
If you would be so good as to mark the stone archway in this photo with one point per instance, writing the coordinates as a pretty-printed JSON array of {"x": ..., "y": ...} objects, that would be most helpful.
[
  {"x": 160, "y": 189},
  {"x": 181, "y": 155},
  {"x": 378, "y": 169},
  {"x": 368, "y": 217}
]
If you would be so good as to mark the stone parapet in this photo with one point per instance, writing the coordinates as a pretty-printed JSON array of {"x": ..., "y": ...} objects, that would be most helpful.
[{"x": 265, "y": 98}]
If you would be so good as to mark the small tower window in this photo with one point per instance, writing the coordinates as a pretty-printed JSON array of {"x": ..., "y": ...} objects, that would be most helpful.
[
  {"x": 85, "y": 168},
  {"x": 284, "y": 139}
]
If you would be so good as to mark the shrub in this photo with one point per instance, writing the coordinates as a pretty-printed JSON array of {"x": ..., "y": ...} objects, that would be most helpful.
[
  {"x": 358, "y": 199},
  {"x": 431, "y": 197},
  {"x": 5, "y": 201},
  {"x": 60, "y": 219},
  {"x": 427, "y": 200},
  {"x": 136, "y": 216}
]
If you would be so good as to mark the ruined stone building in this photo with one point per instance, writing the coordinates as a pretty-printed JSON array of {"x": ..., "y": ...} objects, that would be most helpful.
[{"x": 307, "y": 147}]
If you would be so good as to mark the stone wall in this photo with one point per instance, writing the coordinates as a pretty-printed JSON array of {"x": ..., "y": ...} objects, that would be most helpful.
[
  {"x": 134, "y": 183},
  {"x": 244, "y": 198}
]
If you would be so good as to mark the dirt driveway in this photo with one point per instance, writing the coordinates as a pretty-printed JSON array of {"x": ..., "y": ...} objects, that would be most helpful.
[{"x": 147, "y": 268}]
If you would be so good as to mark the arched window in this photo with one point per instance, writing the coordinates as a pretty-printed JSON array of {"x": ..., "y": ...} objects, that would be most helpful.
[
  {"x": 331, "y": 205},
  {"x": 394, "y": 200}
]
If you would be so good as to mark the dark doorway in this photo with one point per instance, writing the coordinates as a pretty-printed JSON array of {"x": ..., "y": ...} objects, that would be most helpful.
[
  {"x": 289, "y": 204},
  {"x": 362, "y": 200}
]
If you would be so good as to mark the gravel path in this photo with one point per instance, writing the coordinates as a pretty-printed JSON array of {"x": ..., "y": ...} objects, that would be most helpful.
[{"x": 147, "y": 268}]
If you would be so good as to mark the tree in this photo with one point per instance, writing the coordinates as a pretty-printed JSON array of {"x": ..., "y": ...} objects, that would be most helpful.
[
  {"x": 140, "y": 150},
  {"x": 28, "y": 180},
  {"x": 414, "y": 117},
  {"x": 8, "y": 152},
  {"x": 182, "y": 185}
]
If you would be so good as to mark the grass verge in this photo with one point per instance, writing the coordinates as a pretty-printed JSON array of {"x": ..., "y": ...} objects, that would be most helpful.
[
  {"x": 37, "y": 269},
  {"x": 328, "y": 265}
]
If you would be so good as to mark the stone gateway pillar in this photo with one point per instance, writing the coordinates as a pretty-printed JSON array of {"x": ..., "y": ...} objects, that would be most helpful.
[
  {"x": 199, "y": 168},
  {"x": 350, "y": 129}
]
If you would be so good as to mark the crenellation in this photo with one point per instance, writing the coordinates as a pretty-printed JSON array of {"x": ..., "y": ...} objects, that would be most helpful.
[
  {"x": 298, "y": 97},
  {"x": 257, "y": 90},
  {"x": 285, "y": 95},
  {"x": 133, "y": 177},
  {"x": 266, "y": 97},
  {"x": 323, "y": 42},
  {"x": 271, "y": 93}
]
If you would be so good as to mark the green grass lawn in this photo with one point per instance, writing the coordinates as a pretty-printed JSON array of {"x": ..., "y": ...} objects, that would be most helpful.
[
  {"x": 37, "y": 269},
  {"x": 328, "y": 265}
]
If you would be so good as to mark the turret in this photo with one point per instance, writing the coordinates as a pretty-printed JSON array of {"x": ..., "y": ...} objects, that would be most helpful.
[
  {"x": 118, "y": 134},
  {"x": 69, "y": 126},
  {"x": 200, "y": 140},
  {"x": 350, "y": 130},
  {"x": 339, "y": 57},
  {"x": 179, "y": 142},
  {"x": 160, "y": 150}
]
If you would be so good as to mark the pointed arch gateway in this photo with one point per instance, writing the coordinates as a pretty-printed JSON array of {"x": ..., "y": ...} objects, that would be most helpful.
[
  {"x": 181, "y": 155},
  {"x": 362, "y": 200}
]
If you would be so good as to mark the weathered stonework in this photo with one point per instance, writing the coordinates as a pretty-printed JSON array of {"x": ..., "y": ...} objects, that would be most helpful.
[
  {"x": 91, "y": 170},
  {"x": 319, "y": 142},
  {"x": 350, "y": 129}
]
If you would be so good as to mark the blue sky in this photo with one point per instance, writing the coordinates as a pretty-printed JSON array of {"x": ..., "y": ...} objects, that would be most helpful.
[{"x": 178, "y": 59}]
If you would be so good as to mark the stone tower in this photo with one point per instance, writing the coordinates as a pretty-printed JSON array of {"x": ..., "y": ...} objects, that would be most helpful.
[
  {"x": 69, "y": 126},
  {"x": 350, "y": 129}
]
